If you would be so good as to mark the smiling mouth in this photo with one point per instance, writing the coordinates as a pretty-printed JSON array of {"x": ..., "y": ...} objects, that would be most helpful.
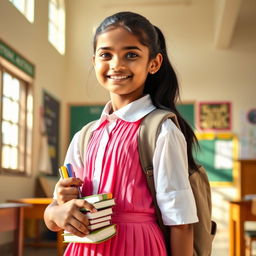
[{"x": 118, "y": 77}]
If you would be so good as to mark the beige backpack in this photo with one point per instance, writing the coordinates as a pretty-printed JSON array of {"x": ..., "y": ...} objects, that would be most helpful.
[{"x": 205, "y": 229}]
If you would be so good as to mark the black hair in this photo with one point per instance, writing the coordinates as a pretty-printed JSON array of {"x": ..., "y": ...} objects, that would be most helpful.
[{"x": 162, "y": 86}]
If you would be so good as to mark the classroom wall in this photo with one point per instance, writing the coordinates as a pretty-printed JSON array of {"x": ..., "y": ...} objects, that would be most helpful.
[
  {"x": 30, "y": 40},
  {"x": 205, "y": 73}
]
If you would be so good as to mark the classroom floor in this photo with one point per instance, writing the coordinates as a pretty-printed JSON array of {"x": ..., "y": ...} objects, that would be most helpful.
[{"x": 29, "y": 251}]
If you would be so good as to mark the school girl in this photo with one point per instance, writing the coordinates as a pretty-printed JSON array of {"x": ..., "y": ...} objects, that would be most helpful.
[{"x": 130, "y": 61}]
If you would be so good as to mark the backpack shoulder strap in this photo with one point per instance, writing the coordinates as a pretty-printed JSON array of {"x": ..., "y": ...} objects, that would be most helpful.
[
  {"x": 149, "y": 130},
  {"x": 84, "y": 137}
]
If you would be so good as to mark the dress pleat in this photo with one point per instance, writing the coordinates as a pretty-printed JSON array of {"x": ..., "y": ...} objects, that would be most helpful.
[{"x": 121, "y": 174}]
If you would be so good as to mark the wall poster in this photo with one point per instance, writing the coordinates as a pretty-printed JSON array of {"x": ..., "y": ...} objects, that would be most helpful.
[{"x": 214, "y": 116}]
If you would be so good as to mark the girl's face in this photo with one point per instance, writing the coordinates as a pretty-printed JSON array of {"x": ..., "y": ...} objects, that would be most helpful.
[{"x": 122, "y": 63}]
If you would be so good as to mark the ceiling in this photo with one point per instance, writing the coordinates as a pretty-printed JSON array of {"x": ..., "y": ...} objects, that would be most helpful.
[{"x": 227, "y": 14}]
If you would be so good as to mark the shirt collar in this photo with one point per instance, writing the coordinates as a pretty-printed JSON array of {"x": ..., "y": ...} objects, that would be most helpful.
[{"x": 132, "y": 112}]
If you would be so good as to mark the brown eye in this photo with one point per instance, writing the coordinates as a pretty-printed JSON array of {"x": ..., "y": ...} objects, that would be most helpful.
[
  {"x": 132, "y": 55},
  {"x": 105, "y": 55}
]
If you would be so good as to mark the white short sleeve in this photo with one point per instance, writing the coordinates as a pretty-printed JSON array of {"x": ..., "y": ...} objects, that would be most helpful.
[{"x": 173, "y": 191}]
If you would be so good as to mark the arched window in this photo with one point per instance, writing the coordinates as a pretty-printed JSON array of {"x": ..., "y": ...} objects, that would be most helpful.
[
  {"x": 26, "y": 7},
  {"x": 56, "y": 26}
]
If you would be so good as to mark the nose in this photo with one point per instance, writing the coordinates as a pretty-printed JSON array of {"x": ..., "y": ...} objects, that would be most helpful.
[{"x": 117, "y": 64}]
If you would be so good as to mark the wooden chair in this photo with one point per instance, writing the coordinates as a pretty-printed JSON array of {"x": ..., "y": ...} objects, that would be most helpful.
[{"x": 250, "y": 235}]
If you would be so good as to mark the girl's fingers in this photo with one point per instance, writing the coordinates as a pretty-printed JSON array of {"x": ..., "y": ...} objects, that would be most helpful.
[
  {"x": 80, "y": 203},
  {"x": 81, "y": 217},
  {"x": 76, "y": 228},
  {"x": 65, "y": 198},
  {"x": 70, "y": 182},
  {"x": 67, "y": 191}
]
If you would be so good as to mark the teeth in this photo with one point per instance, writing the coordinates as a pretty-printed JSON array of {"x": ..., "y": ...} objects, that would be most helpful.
[{"x": 118, "y": 77}]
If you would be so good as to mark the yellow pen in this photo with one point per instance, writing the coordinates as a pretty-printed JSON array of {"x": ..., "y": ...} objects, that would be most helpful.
[{"x": 64, "y": 172}]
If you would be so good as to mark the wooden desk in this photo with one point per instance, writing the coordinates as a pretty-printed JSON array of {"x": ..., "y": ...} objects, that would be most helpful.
[
  {"x": 11, "y": 219},
  {"x": 36, "y": 212},
  {"x": 240, "y": 211}
]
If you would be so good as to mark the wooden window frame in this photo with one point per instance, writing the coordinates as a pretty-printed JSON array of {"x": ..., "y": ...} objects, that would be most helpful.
[{"x": 27, "y": 81}]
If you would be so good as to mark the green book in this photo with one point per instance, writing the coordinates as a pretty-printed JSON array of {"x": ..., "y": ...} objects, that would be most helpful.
[
  {"x": 101, "y": 204},
  {"x": 97, "y": 236},
  {"x": 99, "y": 214},
  {"x": 97, "y": 198}
]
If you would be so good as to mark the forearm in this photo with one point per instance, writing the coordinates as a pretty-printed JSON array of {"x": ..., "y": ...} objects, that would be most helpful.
[
  {"x": 49, "y": 214},
  {"x": 181, "y": 240}
]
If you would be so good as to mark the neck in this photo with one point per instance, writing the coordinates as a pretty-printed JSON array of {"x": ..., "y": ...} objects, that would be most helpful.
[{"x": 119, "y": 101}]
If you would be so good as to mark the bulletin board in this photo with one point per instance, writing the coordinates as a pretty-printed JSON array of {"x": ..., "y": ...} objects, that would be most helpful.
[
  {"x": 218, "y": 154},
  {"x": 81, "y": 114}
]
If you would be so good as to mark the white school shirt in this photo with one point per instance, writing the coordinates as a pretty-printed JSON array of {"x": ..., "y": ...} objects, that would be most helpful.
[{"x": 173, "y": 192}]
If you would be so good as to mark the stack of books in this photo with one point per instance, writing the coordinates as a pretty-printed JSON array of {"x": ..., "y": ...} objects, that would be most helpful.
[{"x": 100, "y": 226}]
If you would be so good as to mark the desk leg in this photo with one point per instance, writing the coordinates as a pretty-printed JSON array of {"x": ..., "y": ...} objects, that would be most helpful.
[
  {"x": 19, "y": 233},
  {"x": 239, "y": 232},
  {"x": 232, "y": 229},
  {"x": 60, "y": 244}
]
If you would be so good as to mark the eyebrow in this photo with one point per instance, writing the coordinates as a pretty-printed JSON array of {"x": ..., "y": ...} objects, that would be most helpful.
[{"x": 124, "y": 48}]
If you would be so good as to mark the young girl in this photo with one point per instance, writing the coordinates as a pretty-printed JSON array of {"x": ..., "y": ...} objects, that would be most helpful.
[{"x": 131, "y": 62}]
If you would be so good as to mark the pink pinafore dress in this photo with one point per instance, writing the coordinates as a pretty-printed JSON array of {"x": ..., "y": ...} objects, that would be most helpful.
[{"x": 137, "y": 231}]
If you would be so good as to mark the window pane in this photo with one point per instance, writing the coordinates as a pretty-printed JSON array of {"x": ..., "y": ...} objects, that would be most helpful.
[
  {"x": 7, "y": 85},
  {"x": 56, "y": 26},
  {"x": 14, "y": 158},
  {"x": 7, "y": 106},
  {"x": 10, "y": 134},
  {"x": 9, "y": 157},
  {"x": 14, "y": 112},
  {"x": 15, "y": 89},
  {"x": 14, "y": 135},
  {"x": 6, "y": 133},
  {"x": 10, "y": 110},
  {"x": 6, "y": 156},
  {"x": 11, "y": 87}
]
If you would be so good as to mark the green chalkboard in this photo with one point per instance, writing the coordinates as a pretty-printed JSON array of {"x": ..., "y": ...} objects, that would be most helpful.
[
  {"x": 81, "y": 115},
  {"x": 217, "y": 155},
  {"x": 187, "y": 111}
]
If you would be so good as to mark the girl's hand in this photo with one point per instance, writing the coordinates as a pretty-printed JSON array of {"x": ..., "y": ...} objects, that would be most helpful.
[
  {"x": 69, "y": 217},
  {"x": 67, "y": 189}
]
